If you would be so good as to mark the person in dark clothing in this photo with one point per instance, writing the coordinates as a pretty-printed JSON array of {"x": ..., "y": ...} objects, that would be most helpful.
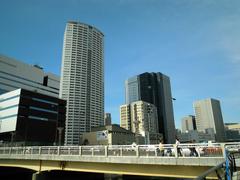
[{"x": 193, "y": 150}]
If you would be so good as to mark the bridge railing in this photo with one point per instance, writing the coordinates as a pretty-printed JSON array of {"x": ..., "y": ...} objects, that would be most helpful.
[
  {"x": 167, "y": 150},
  {"x": 227, "y": 168}
]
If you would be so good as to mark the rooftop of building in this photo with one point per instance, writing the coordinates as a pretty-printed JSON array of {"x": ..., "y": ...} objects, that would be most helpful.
[
  {"x": 10, "y": 61},
  {"x": 19, "y": 91},
  {"x": 112, "y": 127},
  {"x": 81, "y": 23}
]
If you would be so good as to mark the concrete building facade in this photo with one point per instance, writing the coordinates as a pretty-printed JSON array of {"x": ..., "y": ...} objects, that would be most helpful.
[
  {"x": 125, "y": 117},
  {"x": 82, "y": 79},
  {"x": 141, "y": 118},
  {"x": 188, "y": 123},
  {"x": 15, "y": 74},
  {"x": 209, "y": 118},
  {"x": 154, "y": 88},
  {"x": 108, "y": 135}
]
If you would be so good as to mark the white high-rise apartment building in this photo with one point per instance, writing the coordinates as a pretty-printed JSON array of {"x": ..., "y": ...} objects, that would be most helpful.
[
  {"x": 15, "y": 74},
  {"x": 209, "y": 118},
  {"x": 82, "y": 79}
]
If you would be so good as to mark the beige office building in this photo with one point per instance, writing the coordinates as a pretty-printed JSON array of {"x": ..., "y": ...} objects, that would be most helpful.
[
  {"x": 125, "y": 116},
  {"x": 144, "y": 118},
  {"x": 209, "y": 118},
  {"x": 141, "y": 118},
  {"x": 188, "y": 123}
]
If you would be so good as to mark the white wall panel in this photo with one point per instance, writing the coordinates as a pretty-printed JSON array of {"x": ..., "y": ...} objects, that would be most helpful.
[
  {"x": 8, "y": 112},
  {"x": 8, "y": 124},
  {"x": 8, "y": 103},
  {"x": 10, "y": 94}
]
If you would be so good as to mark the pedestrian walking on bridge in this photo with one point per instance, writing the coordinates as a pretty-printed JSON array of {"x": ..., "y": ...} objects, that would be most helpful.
[{"x": 161, "y": 148}]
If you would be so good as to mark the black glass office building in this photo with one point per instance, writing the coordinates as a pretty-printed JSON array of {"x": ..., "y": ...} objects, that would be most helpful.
[{"x": 154, "y": 88}]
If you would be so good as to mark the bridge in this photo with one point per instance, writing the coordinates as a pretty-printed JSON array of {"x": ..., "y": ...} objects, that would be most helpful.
[{"x": 142, "y": 160}]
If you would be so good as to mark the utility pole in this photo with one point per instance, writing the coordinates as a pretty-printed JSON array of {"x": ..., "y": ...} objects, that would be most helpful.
[
  {"x": 60, "y": 129},
  {"x": 149, "y": 111},
  {"x": 12, "y": 137},
  {"x": 136, "y": 122}
]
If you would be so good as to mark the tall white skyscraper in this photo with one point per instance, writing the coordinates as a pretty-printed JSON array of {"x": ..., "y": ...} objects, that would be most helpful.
[
  {"x": 82, "y": 79},
  {"x": 209, "y": 117}
]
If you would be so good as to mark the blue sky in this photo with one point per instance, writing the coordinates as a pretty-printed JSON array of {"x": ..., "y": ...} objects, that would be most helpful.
[{"x": 195, "y": 42}]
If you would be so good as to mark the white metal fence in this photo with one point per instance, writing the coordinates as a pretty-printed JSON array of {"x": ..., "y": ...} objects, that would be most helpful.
[{"x": 167, "y": 150}]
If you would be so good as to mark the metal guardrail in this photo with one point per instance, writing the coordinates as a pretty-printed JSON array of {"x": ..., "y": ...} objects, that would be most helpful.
[
  {"x": 209, "y": 171},
  {"x": 226, "y": 169},
  {"x": 167, "y": 150}
]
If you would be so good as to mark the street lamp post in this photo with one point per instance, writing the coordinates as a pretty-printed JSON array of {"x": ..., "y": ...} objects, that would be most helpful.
[
  {"x": 12, "y": 137},
  {"x": 147, "y": 130},
  {"x": 60, "y": 129},
  {"x": 136, "y": 122}
]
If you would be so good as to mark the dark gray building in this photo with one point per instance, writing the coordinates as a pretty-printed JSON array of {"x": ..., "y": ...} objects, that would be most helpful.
[
  {"x": 107, "y": 119},
  {"x": 154, "y": 88},
  {"x": 31, "y": 118}
]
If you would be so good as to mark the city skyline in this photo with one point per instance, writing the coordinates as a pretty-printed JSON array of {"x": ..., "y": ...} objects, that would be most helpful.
[{"x": 197, "y": 51}]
